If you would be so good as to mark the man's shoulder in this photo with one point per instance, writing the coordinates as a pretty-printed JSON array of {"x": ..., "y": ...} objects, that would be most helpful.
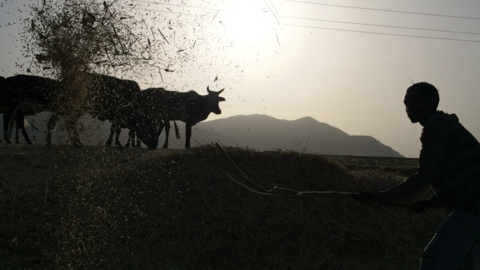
[
  {"x": 437, "y": 125},
  {"x": 441, "y": 119}
]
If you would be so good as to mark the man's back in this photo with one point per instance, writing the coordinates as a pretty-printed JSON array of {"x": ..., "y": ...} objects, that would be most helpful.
[{"x": 450, "y": 158}]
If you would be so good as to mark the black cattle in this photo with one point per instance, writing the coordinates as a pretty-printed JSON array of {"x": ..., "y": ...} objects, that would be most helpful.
[
  {"x": 188, "y": 107},
  {"x": 113, "y": 98},
  {"x": 25, "y": 95},
  {"x": 116, "y": 100},
  {"x": 25, "y": 109}
]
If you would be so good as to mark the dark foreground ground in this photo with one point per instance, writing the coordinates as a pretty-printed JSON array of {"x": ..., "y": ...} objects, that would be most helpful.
[{"x": 107, "y": 208}]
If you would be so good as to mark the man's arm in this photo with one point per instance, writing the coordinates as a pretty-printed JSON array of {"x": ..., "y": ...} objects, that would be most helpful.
[
  {"x": 431, "y": 159},
  {"x": 432, "y": 202},
  {"x": 414, "y": 186}
]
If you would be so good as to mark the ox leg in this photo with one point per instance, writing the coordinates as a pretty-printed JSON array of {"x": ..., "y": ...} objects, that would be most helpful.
[
  {"x": 167, "y": 132},
  {"x": 131, "y": 134},
  {"x": 135, "y": 140},
  {"x": 138, "y": 142},
  {"x": 74, "y": 138},
  {"x": 20, "y": 126},
  {"x": 131, "y": 139},
  {"x": 17, "y": 133},
  {"x": 6, "y": 120},
  {"x": 110, "y": 138},
  {"x": 17, "y": 129},
  {"x": 188, "y": 134},
  {"x": 118, "y": 129},
  {"x": 72, "y": 127},
  {"x": 160, "y": 128},
  {"x": 50, "y": 127},
  {"x": 114, "y": 129},
  {"x": 25, "y": 135}
]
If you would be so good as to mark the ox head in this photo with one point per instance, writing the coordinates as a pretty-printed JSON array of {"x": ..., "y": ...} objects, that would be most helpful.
[{"x": 213, "y": 98}]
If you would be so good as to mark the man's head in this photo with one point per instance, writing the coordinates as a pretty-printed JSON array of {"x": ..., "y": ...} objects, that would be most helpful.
[{"x": 421, "y": 101}]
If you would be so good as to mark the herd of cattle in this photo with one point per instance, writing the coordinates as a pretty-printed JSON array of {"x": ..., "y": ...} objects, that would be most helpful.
[{"x": 145, "y": 113}]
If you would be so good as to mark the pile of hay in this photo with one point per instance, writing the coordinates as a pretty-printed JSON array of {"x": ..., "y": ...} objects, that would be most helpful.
[{"x": 178, "y": 209}]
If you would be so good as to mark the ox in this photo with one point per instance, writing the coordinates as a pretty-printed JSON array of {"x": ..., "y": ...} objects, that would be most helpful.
[
  {"x": 23, "y": 95},
  {"x": 25, "y": 109},
  {"x": 188, "y": 107},
  {"x": 115, "y": 101}
]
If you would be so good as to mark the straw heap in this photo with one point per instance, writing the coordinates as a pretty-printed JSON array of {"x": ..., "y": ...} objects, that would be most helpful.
[{"x": 178, "y": 209}]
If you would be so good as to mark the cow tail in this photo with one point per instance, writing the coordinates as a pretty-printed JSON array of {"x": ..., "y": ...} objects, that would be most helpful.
[{"x": 177, "y": 133}]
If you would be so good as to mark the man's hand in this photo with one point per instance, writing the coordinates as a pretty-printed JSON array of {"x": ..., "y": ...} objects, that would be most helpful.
[{"x": 364, "y": 196}]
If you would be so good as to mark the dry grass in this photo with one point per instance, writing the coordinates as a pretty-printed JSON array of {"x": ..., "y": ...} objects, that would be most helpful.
[{"x": 97, "y": 208}]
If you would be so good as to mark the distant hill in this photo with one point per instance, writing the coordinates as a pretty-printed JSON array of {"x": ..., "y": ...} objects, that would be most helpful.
[
  {"x": 303, "y": 135},
  {"x": 260, "y": 132}
]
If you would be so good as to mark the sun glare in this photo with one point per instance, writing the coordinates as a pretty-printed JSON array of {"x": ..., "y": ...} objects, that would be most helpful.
[{"x": 247, "y": 21}]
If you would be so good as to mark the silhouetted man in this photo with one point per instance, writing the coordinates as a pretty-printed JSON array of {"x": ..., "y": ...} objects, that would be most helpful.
[{"x": 450, "y": 163}]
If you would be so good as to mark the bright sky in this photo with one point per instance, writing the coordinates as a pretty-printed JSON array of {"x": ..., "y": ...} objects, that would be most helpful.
[{"x": 346, "y": 63}]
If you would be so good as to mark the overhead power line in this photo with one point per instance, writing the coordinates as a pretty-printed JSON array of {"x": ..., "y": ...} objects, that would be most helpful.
[
  {"x": 379, "y": 33},
  {"x": 171, "y": 12},
  {"x": 344, "y": 22},
  {"x": 382, "y": 25},
  {"x": 385, "y": 10},
  {"x": 175, "y": 5}
]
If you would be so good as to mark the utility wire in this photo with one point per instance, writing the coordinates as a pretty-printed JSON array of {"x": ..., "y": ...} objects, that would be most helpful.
[
  {"x": 381, "y": 25},
  {"x": 165, "y": 4},
  {"x": 342, "y": 30},
  {"x": 313, "y": 19},
  {"x": 378, "y": 33},
  {"x": 385, "y": 10},
  {"x": 178, "y": 13}
]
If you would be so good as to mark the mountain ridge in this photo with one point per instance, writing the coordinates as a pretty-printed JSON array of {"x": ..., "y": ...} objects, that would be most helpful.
[
  {"x": 305, "y": 134},
  {"x": 256, "y": 131}
]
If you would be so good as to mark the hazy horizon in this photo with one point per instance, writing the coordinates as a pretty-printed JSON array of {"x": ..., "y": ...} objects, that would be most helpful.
[{"x": 343, "y": 63}]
